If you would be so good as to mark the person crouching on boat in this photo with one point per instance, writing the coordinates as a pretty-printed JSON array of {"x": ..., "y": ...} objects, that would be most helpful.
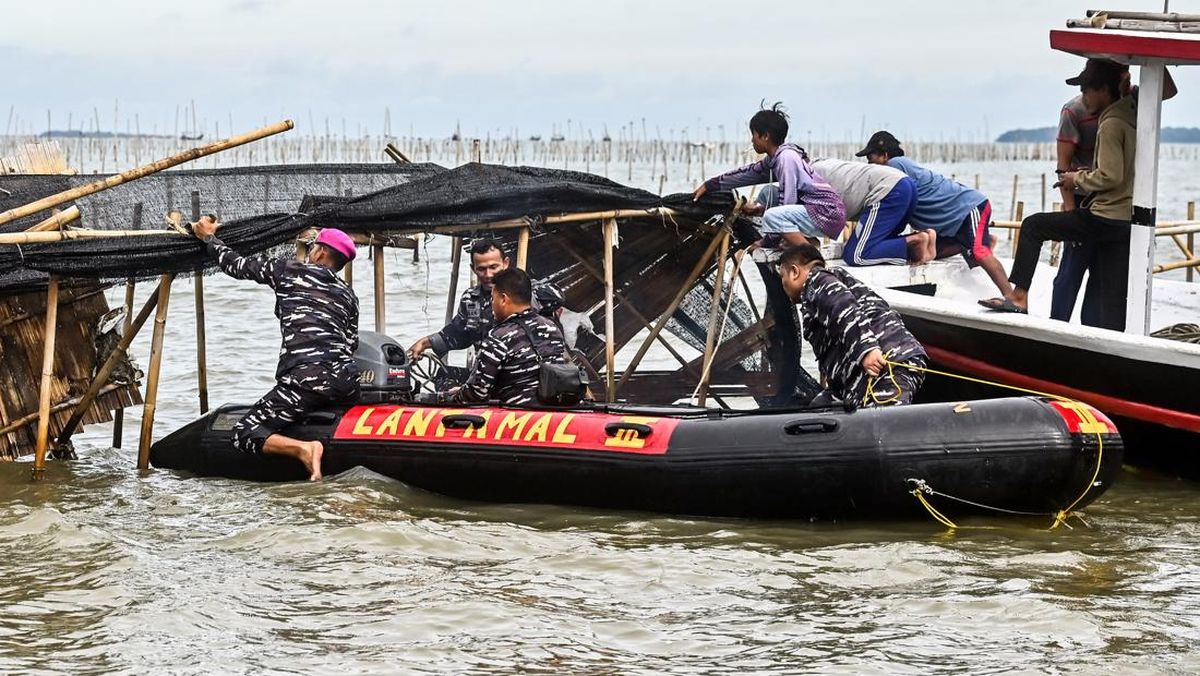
[
  {"x": 959, "y": 215},
  {"x": 318, "y": 315},
  {"x": 802, "y": 207},
  {"x": 882, "y": 199},
  {"x": 1104, "y": 218},
  {"x": 866, "y": 355},
  {"x": 475, "y": 317},
  {"x": 511, "y": 355}
]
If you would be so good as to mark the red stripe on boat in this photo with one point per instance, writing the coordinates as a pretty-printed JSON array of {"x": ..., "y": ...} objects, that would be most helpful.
[
  {"x": 509, "y": 427},
  {"x": 1115, "y": 405}
]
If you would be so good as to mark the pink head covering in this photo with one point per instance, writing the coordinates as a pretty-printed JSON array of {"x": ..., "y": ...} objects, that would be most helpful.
[{"x": 338, "y": 241}]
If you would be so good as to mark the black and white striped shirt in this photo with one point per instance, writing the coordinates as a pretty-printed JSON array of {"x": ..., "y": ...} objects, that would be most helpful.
[{"x": 508, "y": 362}]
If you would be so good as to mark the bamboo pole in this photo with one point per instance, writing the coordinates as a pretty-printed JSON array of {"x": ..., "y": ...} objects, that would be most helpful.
[
  {"x": 380, "y": 292},
  {"x": 50, "y": 237},
  {"x": 523, "y": 249},
  {"x": 455, "y": 264},
  {"x": 56, "y": 221},
  {"x": 697, "y": 269},
  {"x": 43, "y": 428},
  {"x": 156, "y": 351},
  {"x": 119, "y": 416},
  {"x": 56, "y": 408},
  {"x": 146, "y": 170},
  {"x": 110, "y": 365},
  {"x": 1190, "y": 264},
  {"x": 201, "y": 338},
  {"x": 714, "y": 314},
  {"x": 1019, "y": 213},
  {"x": 610, "y": 352},
  {"x": 1191, "y": 243}
]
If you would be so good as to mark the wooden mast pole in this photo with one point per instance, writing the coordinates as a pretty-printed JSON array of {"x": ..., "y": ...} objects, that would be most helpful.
[
  {"x": 523, "y": 249},
  {"x": 201, "y": 338},
  {"x": 43, "y": 428},
  {"x": 610, "y": 352},
  {"x": 145, "y": 170},
  {"x": 156, "y": 351}
]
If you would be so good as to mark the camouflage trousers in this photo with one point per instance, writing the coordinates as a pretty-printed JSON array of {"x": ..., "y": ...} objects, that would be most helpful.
[{"x": 297, "y": 393}]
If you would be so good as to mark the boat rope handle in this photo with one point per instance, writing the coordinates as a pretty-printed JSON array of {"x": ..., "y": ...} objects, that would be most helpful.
[{"x": 1083, "y": 411}]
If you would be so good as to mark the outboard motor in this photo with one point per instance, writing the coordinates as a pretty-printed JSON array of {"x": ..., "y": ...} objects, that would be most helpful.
[{"x": 384, "y": 370}]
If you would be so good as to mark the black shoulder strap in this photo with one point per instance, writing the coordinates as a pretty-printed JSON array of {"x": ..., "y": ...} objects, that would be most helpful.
[{"x": 532, "y": 343}]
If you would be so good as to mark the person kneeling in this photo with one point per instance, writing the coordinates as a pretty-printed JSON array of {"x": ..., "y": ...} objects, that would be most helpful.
[
  {"x": 865, "y": 354},
  {"x": 511, "y": 355}
]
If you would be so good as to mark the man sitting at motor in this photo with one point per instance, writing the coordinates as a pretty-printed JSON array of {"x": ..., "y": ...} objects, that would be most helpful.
[
  {"x": 866, "y": 355},
  {"x": 511, "y": 355},
  {"x": 475, "y": 316}
]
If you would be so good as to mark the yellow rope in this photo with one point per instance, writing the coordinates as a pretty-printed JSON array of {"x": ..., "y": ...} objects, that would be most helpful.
[{"x": 1082, "y": 410}]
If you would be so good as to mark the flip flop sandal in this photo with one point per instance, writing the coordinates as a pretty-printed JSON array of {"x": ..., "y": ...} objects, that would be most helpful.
[{"x": 1003, "y": 305}]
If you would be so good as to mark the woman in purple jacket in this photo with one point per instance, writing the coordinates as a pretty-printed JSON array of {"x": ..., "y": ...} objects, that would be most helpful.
[{"x": 804, "y": 207}]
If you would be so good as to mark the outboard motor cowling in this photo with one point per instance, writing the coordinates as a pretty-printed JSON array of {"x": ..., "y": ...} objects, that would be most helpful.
[{"x": 384, "y": 370}]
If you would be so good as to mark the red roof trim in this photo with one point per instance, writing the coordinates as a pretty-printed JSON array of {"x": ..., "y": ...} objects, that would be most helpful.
[{"x": 1094, "y": 42}]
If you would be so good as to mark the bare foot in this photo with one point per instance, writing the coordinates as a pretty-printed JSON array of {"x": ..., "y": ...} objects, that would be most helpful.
[
  {"x": 931, "y": 245},
  {"x": 311, "y": 457}
]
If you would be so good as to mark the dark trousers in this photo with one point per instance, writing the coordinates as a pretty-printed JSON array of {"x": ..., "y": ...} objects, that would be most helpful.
[
  {"x": 1111, "y": 260},
  {"x": 297, "y": 393},
  {"x": 1076, "y": 259}
]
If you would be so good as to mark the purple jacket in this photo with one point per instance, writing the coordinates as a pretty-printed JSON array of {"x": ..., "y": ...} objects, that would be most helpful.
[{"x": 799, "y": 183}]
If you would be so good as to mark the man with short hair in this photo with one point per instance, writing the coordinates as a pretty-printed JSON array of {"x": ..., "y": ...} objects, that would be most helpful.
[
  {"x": 1104, "y": 221},
  {"x": 854, "y": 332},
  {"x": 804, "y": 207},
  {"x": 511, "y": 355},
  {"x": 959, "y": 215},
  {"x": 318, "y": 316},
  {"x": 882, "y": 199},
  {"x": 474, "y": 318}
]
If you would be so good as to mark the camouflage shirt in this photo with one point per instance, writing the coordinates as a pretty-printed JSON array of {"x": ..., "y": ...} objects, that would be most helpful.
[
  {"x": 843, "y": 321},
  {"x": 474, "y": 318},
  {"x": 509, "y": 360},
  {"x": 317, "y": 311}
]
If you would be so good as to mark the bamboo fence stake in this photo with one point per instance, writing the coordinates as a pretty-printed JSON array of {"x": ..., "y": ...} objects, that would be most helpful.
[
  {"x": 610, "y": 353},
  {"x": 146, "y": 170},
  {"x": 1019, "y": 215},
  {"x": 714, "y": 315},
  {"x": 156, "y": 350},
  {"x": 110, "y": 365},
  {"x": 380, "y": 293},
  {"x": 119, "y": 416},
  {"x": 455, "y": 264},
  {"x": 523, "y": 249},
  {"x": 697, "y": 269},
  {"x": 1191, "y": 216},
  {"x": 201, "y": 338},
  {"x": 43, "y": 428}
]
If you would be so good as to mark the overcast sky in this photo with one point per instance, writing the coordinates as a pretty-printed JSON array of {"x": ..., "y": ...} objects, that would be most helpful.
[{"x": 933, "y": 69}]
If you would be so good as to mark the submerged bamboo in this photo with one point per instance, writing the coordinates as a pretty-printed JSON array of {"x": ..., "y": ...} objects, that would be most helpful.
[
  {"x": 380, "y": 292},
  {"x": 455, "y": 264},
  {"x": 201, "y": 339},
  {"x": 43, "y": 429},
  {"x": 714, "y": 315},
  {"x": 119, "y": 416}
]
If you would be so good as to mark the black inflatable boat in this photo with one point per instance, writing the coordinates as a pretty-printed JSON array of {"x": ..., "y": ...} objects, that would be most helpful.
[{"x": 1024, "y": 454}]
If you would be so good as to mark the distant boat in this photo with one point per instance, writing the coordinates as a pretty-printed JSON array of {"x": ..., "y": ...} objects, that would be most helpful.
[
  {"x": 535, "y": 138},
  {"x": 191, "y": 137}
]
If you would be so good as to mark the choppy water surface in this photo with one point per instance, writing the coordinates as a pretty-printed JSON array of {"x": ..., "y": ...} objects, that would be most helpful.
[{"x": 106, "y": 570}]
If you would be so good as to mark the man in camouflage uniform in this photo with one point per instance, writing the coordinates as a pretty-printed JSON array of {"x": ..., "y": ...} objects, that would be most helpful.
[
  {"x": 853, "y": 331},
  {"x": 475, "y": 317},
  {"x": 318, "y": 316},
  {"x": 511, "y": 354}
]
